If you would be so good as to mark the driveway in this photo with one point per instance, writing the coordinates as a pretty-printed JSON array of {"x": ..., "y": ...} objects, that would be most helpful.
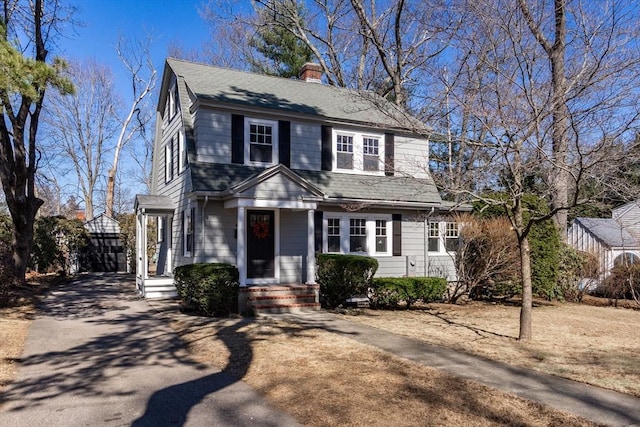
[{"x": 97, "y": 355}]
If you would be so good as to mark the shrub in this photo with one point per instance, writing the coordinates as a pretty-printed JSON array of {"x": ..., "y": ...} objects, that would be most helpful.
[
  {"x": 7, "y": 275},
  {"x": 622, "y": 283},
  {"x": 574, "y": 266},
  {"x": 343, "y": 276},
  {"x": 211, "y": 289},
  {"x": 389, "y": 291}
]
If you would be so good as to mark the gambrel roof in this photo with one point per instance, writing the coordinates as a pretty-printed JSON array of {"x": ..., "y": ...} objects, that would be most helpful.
[{"x": 243, "y": 89}]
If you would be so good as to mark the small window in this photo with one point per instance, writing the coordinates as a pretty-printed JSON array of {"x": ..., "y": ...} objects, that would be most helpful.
[
  {"x": 434, "y": 237},
  {"x": 333, "y": 235},
  {"x": 357, "y": 235},
  {"x": 188, "y": 230},
  {"x": 381, "y": 235},
  {"x": 371, "y": 153},
  {"x": 182, "y": 153},
  {"x": 344, "y": 151},
  {"x": 168, "y": 161},
  {"x": 451, "y": 237},
  {"x": 174, "y": 99}
]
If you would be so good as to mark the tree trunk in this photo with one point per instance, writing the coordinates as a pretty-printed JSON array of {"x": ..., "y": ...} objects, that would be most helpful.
[{"x": 527, "y": 299}]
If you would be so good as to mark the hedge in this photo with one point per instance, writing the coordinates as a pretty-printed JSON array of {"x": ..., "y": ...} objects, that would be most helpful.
[
  {"x": 343, "y": 276},
  {"x": 211, "y": 289},
  {"x": 389, "y": 291}
]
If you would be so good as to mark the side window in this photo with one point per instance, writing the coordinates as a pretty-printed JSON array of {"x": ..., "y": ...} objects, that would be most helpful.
[
  {"x": 168, "y": 161},
  {"x": 188, "y": 231},
  {"x": 333, "y": 235},
  {"x": 381, "y": 236},
  {"x": 182, "y": 153},
  {"x": 451, "y": 236}
]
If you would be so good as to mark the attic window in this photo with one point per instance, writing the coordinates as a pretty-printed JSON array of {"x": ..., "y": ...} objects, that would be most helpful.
[{"x": 261, "y": 138}]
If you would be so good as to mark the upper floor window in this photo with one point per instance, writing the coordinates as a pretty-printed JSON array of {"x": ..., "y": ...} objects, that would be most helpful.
[
  {"x": 168, "y": 161},
  {"x": 358, "y": 153},
  {"x": 261, "y": 141},
  {"x": 182, "y": 153},
  {"x": 173, "y": 101}
]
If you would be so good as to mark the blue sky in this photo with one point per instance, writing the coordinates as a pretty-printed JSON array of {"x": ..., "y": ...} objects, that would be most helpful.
[{"x": 103, "y": 21}]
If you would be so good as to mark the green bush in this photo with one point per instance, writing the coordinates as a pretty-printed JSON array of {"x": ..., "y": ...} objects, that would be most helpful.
[
  {"x": 343, "y": 276},
  {"x": 389, "y": 291},
  {"x": 212, "y": 289}
]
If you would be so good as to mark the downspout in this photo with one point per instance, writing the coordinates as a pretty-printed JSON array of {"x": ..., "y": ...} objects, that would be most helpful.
[
  {"x": 426, "y": 242},
  {"x": 204, "y": 207}
]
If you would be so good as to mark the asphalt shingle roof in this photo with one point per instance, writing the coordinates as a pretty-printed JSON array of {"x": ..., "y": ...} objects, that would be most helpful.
[
  {"x": 213, "y": 177},
  {"x": 609, "y": 232},
  {"x": 248, "y": 89}
]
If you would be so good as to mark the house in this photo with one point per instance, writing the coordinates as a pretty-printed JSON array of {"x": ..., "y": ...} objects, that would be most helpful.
[
  {"x": 105, "y": 252},
  {"x": 265, "y": 172},
  {"x": 613, "y": 241}
]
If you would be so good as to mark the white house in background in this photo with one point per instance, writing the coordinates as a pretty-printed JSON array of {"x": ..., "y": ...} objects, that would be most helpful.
[
  {"x": 265, "y": 172},
  {"x": 613, "y": 241}
]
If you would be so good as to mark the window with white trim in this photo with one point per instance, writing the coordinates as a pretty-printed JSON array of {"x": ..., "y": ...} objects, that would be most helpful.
[
  {"x": 357, "y": 152},
  {"x": 443, "y": 236},
  {"x": 261, "y": 141},
  {"x": 182, "y": 153},
  {"x": 381, "y": 236},
  {"x": 357, "y": 233},
  {"x": 168, "y": 161},
  {"x": 188, "y": 231},
  {"x": 371, "y": 153},
  {"x": 333, "y": 235}
]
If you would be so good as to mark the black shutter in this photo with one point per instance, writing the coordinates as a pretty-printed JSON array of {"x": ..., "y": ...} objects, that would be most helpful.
[
  {"x": 389, "y": 166},
  {"x": 317, "y": 226},
  {"x": 284, "y": 142},
  {"x": 397, "y": 234},
  {"x": 327, "y": 147},
  {"x": 237, "y": 139}
]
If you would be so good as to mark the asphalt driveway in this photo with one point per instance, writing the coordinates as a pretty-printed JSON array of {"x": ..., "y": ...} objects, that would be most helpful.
[{"x": 97, "y": 355}]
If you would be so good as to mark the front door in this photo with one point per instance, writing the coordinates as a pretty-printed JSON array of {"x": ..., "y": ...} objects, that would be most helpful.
[{"x": 260, "y": 245}]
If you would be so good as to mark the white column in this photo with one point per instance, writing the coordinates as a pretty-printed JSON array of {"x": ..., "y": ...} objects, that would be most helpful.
[
  {"x": 139, "y": 248},
  {"x": 145, "y": 260},
  {"x": 311, "y": 256},
  {"x": 241, "y": 258},
  {"x": 168, "y": 230}
]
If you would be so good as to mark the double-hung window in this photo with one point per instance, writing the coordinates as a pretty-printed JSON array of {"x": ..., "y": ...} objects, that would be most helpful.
[
  {"x": 188, "y": 231},
  {"x": 357, "y": 152},
  {"x": 371, "y": 153},
  {"x": 344, "y": 151},
  {"x": 357, "y": 233},
  {"x": 261, "y": 141},
  {"x": 168, "y": 161},
  {"x": 443, "y": 237},
  {"x": 182, "y": 153}
]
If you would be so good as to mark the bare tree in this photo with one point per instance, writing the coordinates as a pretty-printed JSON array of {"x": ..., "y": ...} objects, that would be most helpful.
[
  {"x": 535, "y": 130},
  {"x": 26, "y": 76},
  {"x": 81, "y": 127},
  {"x": 137, "y": 60}
]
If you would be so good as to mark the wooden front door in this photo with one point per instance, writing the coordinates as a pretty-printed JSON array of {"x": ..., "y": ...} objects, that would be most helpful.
[{"x": 260, "y": 245}]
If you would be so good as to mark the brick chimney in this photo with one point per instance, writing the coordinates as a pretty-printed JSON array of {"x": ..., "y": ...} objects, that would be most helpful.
[{"x": 311, "y": 72}]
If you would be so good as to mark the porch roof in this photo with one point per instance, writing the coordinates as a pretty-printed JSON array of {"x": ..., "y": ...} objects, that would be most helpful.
[
  {"x": 222, "y": 178},
  {"x": 153, "y": 204},
  {"x": 609, "y": 232}
]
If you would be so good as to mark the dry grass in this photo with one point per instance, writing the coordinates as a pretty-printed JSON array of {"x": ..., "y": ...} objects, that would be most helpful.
[
  {"x": 595, "y": 345},
  {"x": 325, "y": 379}
]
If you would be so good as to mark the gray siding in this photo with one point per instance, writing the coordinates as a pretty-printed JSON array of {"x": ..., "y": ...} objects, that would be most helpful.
[
  {"x": 293, "y": 246},
  {"x": 276, "y": 187},
  {"x": 217, "y": 241},
  {"x": 629, "y": 217},
  {"x": 306, "y": 146},
  {"x": 212, "y": 130},
  {"x": 411, "y": 156}
]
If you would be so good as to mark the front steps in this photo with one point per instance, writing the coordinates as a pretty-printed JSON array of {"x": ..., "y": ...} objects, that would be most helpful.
[{"x": 280, "y": 298}]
